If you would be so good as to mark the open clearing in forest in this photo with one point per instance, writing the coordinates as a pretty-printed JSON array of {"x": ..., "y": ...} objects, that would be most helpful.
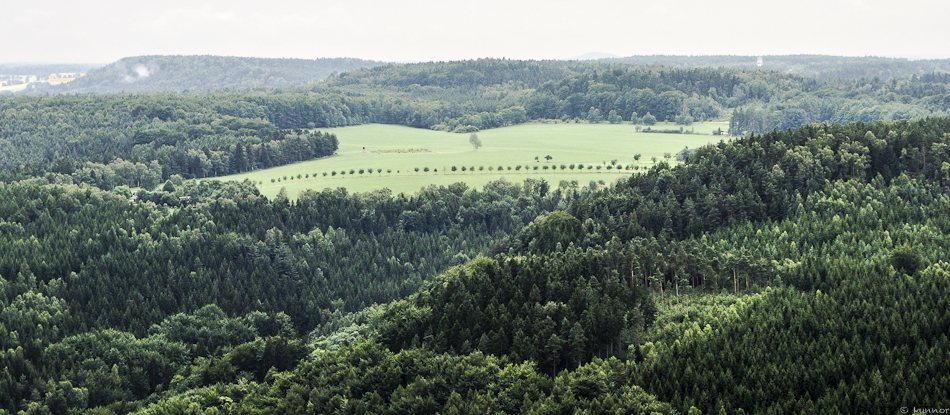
[
  {"x": 15, "y": 88},
  {"x": 399, "y": 150}
]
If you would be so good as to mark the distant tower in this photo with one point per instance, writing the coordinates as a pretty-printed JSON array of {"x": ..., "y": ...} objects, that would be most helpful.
[{"x": 759, "y": 62}]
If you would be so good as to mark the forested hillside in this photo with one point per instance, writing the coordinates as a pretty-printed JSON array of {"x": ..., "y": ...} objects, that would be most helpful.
[
  {"x": 822, "y": 89},
  {"x": 754, "y": 101},
  {"x": 471, "y": 74},
  {"x": 82, "y": 262},
  {"x": 202, "y": 73},
  {"x": 109, "y": 140},
  {"x": 814, "y": 66},
  {"x": 697, "y": 287}
]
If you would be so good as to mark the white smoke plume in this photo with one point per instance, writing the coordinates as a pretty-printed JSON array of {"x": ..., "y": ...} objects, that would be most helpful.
[{"x": 140, "y": 72}]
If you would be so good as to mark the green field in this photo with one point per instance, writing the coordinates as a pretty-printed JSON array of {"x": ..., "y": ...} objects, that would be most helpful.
[
  {"x": 14, "y": 88},
  {"x": 399, "y": 150}
]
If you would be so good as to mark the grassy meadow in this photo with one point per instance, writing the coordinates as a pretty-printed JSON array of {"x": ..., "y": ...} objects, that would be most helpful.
[
  {"x": 15, "y": 88},
  {"x": 399, "y": 150}
]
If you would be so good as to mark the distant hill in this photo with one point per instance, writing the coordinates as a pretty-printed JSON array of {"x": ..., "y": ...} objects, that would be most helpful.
[
  {"x": 472, "y": 74},
  {"x": 593, "y": 55},
  {"x": 816, "y": 66},
  {"x": 203, "y": 73}
]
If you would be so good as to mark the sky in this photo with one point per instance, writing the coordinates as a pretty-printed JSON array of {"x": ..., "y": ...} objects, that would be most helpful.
[{"x": 103, "y": 31}]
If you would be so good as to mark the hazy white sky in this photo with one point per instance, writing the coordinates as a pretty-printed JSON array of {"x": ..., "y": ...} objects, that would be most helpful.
[{"x": 422, "y": 30}]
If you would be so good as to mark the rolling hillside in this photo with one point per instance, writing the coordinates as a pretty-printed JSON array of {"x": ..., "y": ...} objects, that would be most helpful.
[{"x": 204, "y": 73}]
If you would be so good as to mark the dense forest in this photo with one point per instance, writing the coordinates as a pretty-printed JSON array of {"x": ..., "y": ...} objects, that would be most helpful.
[
  {"x": 754, "y": 101},
  {"x": 143, "y": 140},
  {"x": 94, "y": 263},
  {"x": 802, "y": 270},
  {"x": 813, "y": 244}
]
